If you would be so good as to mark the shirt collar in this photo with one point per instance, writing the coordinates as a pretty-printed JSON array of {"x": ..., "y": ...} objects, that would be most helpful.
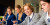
[
  {"x": 31, "y": 15},
  {"x": 47, "y": 15}
]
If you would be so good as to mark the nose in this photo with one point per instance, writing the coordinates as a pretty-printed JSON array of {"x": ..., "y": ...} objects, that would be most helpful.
[{"x": 42, "y": 7}]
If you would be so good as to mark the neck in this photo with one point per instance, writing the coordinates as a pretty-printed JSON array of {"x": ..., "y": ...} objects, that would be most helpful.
[
  {"x": 20, "y": 12},
  {"x": 9, "y": 14},
  {"x": 49, "y": 13}
]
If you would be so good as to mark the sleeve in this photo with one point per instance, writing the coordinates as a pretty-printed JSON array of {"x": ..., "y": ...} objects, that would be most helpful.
[
  {"x": 13, "y": 18},
  {"x": 23, "y": 17}
]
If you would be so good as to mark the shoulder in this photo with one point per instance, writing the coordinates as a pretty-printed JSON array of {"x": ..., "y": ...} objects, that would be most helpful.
[
  {"x": 12, "y": 15},
  {"x": 36, "y": 14},
  {"x": 44, "y": 15},
  {"x": 24, "y": 14}
]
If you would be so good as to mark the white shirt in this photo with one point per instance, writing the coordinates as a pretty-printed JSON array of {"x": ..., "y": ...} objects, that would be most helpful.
[
  {"x": 47, "y": 15},
  {"x": 31, "y": 15},
  {"x": 8, "y": 17}
]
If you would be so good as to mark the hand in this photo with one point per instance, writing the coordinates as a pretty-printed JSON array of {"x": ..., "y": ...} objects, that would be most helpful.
[
  {"x": 14, "y": 21},
  {"x": 3, "y": 19},
  {"x": 14, "y": 24}
]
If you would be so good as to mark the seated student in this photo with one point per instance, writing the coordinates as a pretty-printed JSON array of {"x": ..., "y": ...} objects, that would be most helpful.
[
  {"x": 45, "y": 19},
  {"x": 10, "y": 16},
  {"x": 20, "y": 15},
  {"x": 31, "y": 18}
]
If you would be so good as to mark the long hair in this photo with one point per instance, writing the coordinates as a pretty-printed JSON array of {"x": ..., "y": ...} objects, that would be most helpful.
[{"x": 20, "y": 14}]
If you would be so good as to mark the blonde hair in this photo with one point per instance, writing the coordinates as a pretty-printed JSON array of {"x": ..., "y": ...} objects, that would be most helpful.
[{"x": 20, "y": 14}]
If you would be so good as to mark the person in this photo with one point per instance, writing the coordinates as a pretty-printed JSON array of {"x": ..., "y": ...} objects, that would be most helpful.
[
  {"x": 10, "y": 17},
  {"x": 31, "y": 17},
  {"x": 45, "y": 19},
  {"x": 20, "y": 15}
]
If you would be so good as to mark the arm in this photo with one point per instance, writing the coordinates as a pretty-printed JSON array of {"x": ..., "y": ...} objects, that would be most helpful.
[
  {"x": 13, "y": 19},
  {"x": 23, "y": 17}
]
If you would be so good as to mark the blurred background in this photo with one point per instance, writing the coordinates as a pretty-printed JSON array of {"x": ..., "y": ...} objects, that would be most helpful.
[{"x": 5, "y": 3}]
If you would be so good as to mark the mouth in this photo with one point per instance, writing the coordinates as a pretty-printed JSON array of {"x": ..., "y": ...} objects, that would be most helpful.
[{"x": 43, "y": 9}]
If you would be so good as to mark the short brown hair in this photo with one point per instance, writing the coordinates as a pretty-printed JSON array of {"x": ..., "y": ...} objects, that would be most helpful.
[
  {"x": 30, "y": 6},
  {"x": 46, "y": 1}
]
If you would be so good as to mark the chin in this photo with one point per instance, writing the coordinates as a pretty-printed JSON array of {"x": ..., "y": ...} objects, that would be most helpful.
[
  {"x": 27, "y": 14},
  {"x": 45, "y": 11}
]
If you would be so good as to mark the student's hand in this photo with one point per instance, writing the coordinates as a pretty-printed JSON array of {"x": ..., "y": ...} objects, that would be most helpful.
[
  {"x": 14, "y": 21},
  {"x": 14, "y": 24},
  {"x": 3, "y": 19}
]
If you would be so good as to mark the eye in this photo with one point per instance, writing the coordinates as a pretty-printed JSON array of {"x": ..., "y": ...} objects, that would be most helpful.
[{"x": 43, "y": 5}]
